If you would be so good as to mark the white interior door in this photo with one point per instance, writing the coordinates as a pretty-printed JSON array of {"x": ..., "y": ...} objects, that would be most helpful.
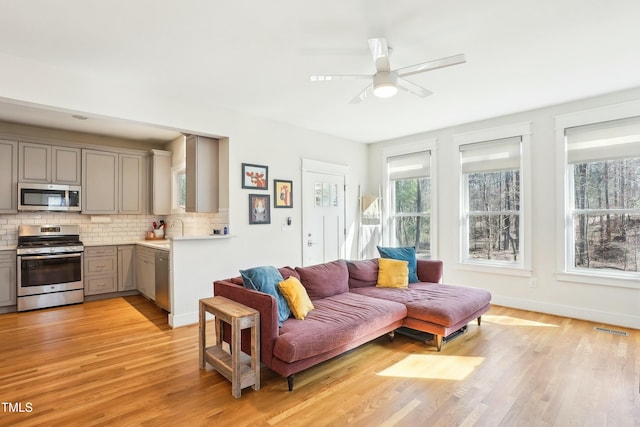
[{"x": 323, "y": 219}]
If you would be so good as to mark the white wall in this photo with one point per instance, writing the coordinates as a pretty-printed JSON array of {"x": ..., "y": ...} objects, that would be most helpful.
[
  {"x": 251, "y": 140},
  {"x": 608, "y": 304}
]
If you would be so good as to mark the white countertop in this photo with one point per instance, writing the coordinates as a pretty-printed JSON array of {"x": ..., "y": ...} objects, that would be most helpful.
[
  {"x": 164, "y": 244},
  {"x": 208, "y": 237}
]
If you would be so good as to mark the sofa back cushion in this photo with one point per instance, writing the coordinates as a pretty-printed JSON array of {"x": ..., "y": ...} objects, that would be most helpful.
[
  {"x": 324, "y": 280},
  {"x": 363, "y": 273},
  {"x": 288, "y": 272}
]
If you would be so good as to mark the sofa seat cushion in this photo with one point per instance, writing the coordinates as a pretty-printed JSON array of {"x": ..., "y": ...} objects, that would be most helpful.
[
  {"x": 334, "y": 322},
  {"x": 443, "y": 305}
]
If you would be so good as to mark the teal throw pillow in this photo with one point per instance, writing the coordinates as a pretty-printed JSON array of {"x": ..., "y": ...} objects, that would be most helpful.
[
  {"x": 266, "y": 279},
  {"x": 404, "y": 254}
]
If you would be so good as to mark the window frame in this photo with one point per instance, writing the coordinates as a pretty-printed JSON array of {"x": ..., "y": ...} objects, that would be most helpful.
[
  {"x": 523, "y": 267},
  {"x": 177, "y": 172},
  {"x": 564, "y": 222},
  {"x": 388, "y": 235}
]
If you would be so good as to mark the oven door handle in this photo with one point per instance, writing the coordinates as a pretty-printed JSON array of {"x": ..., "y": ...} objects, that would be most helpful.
[{"x": 71, "y": 255}]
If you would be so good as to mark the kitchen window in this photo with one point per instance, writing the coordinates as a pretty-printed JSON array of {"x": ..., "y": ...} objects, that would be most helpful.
[{"x": 179, "y": 188}]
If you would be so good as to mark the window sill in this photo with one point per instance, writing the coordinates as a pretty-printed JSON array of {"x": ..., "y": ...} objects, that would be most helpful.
[
  {"x": 508, "y": 270},
  {"x": 599, "y": 279}
]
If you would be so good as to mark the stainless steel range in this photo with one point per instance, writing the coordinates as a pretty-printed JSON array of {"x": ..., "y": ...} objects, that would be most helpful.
[{"x": 49, "y": 266}]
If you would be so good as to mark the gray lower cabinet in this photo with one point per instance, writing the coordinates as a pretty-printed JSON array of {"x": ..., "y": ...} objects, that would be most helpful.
[
  {"x": 126, "y": 268},
  {"x": 100, "y": 270},
  {"x": 146, "y": 271},
  {"x": 7, "y": 278},
  {"x": 109, "y": 268}
]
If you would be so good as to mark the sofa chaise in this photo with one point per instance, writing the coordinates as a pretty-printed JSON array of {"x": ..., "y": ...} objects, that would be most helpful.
[{"x": 350, "y": 310}]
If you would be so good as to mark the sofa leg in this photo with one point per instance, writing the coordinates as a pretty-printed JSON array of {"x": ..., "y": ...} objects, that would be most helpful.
[
  {"x": 392, "y": 335},
  {"x": 438, "y": 340},
  {"x": 290, "y": 382},
  {"x": 479, "y": 320}
]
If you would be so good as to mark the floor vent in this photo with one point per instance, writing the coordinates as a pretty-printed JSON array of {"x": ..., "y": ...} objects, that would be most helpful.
[{"x": 611, "y": 331}]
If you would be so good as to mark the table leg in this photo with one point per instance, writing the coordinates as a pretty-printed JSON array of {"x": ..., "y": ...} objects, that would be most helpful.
[
  {"x": 202, "y": 334},
  {"x": 235, "y": 358},
  {"x": 255, "y": 352}
]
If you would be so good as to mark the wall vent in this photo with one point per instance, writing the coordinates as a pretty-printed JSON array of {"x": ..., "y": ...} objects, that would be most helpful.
[{"x": 611, "y": 331}]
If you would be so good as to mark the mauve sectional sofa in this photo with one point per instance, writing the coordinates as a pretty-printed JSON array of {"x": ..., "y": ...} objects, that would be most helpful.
[{"x": 350, "y": 311}]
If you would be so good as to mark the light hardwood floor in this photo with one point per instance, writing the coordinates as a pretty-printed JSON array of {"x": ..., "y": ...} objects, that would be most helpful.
[{"x": 116, "y": 362}]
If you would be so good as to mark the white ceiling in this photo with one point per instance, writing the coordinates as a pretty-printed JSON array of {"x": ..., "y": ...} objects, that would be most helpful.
[{"x": 255, "y": 57}]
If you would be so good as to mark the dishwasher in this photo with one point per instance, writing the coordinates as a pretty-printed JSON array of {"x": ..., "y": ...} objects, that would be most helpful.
[{"x": 162, "y": 280}]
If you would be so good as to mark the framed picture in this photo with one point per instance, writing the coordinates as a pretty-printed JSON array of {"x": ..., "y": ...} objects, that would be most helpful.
[
  {"x": 282, "y": 193},
  {"x": 259, "y": 209},
  {"x": 255, "y": 177}
]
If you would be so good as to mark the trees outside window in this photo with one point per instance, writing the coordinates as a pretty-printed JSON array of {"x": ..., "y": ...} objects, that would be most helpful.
[
  {"x": 410, "y": 201},
  {"x": 603, "y": 210},
  {"x": 491, "y": 213},
  {"x": 412, "y": 214},
  {"x": 606, "y": 215},
  {"x": 494, "y": 215}
]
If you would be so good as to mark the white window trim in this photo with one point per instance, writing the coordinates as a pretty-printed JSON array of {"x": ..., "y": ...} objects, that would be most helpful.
[
  {"x": 523, "y": 268},
  {"x": 399, "y": 150},
  {"x": 564, "y": 234}
]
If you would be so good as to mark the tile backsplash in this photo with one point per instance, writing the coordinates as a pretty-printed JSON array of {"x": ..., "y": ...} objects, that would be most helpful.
[{"x": 97, "y": 229}]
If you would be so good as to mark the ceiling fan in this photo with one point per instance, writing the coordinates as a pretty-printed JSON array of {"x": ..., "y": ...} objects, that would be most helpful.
[{"x": 387, "y": 81}]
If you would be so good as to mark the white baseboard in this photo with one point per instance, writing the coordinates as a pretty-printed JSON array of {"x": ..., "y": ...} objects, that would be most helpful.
[
  {"x": 184, "y": 319},
  {"x": 568, "y": 311}
]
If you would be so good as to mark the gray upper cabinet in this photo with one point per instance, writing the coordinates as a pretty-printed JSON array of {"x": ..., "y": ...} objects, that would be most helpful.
[
  {"x": 8, "y": 176},
  {"x": 99, "y": 182},
  {"x": 113, "y": 183},
  {"x": 202, "y": 173},
  {"x": 132, "y": 184},
  {"x": 161, "y": 182},
  {"x": 65, "y": 165},
  {"x": 49, "y": 164}
]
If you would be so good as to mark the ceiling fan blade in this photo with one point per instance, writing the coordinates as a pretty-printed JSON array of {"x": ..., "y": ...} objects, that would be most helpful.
[
  {"x": 413, "y": 88},
  {"x": 324, "y": 78},
  {"x": 380, "y": 53},
  {"x": 431, "y": 65},
  {"x": 368, "y": 91}
]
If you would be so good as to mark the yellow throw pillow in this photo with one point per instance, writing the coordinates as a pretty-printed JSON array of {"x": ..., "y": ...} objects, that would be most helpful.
[
  {"x": 392, "y": 273},
  {"x": 296, "y": 296}
]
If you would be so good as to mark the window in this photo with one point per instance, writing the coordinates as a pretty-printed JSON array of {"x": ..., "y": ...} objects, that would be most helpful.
[
  {"x": 410, "y": 194},
  {"x": 603, "y": 191},
  {"x": 179, "y": 186},
  {"x": 491, "y": 202}
]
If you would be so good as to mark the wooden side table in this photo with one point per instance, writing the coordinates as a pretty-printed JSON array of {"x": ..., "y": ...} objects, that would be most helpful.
[{"x": 242, "y": 370}]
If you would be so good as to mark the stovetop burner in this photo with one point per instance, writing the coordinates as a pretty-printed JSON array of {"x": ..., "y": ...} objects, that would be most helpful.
[
  {"x": 48, "y": 243},
  {"x": 48, "y": 239}
]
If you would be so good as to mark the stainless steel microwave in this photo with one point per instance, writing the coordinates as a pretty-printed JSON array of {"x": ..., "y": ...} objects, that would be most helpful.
[{"x": 48, "y": 197}]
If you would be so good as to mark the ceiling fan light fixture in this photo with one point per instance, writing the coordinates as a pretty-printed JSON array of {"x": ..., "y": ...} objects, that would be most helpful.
[{"x": 385, "y": 84}]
